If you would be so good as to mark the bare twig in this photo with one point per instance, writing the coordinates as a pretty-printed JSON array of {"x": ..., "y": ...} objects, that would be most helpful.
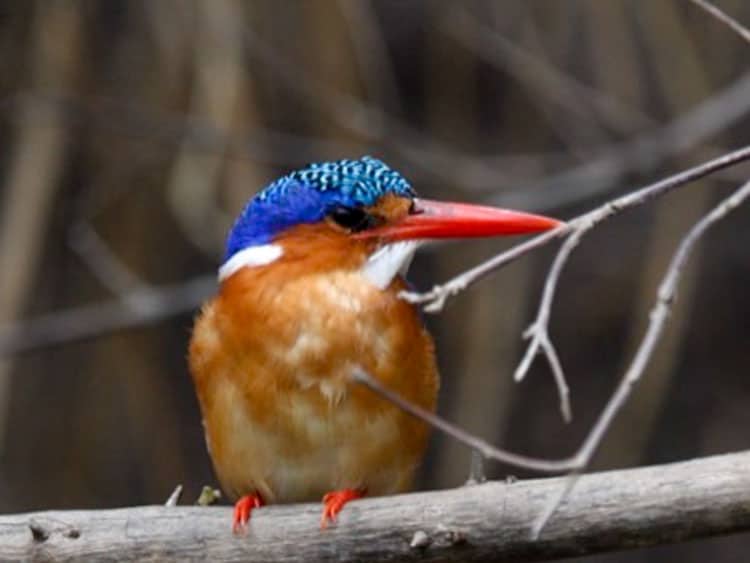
[
  {"x": 538, "y": 332},
  {"x": 601, "y": 172},
  {"x": 540, "y": 340},
  {"x": 657, "y": 321},
  {"x": 547, "y": 89},
  {"x": 478, "y": 444},
  {"x": 666, "y": 296},
  {"x": 434, "y": 300},
  {"x": 371, "y": 50},
  {"x": 136, "y": 308},
  {"x": 162, "y": 127},
  {"x": 102, "y": 261},
  {"x": 476, "y": 469},
  {"x": 723, "y": 17},
  {"x": 658, "y": 317},
  {"x": 174, "y": 498},
  {"x": 373, "y": 123},
  {"x": 541, "y": 76},
  {"x": 660, "y": 24}
]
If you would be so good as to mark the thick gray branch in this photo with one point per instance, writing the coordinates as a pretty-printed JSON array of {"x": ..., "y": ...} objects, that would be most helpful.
[{"x": 607, "y": 511}]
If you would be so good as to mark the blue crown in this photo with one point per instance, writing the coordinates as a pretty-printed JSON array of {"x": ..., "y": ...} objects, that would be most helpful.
[{"x": 309, "y": 194}]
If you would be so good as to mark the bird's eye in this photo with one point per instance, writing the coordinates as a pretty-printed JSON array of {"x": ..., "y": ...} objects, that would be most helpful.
[{"x": 353, "y": 219}]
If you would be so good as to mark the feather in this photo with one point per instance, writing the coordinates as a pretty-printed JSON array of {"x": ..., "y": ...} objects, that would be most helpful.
[{"x": 389, "y": 261}]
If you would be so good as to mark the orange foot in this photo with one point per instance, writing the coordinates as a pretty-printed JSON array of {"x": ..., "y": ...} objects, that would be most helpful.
[
  {"x": 242, "y": 510},
  {"x": 334, "y": 501}
]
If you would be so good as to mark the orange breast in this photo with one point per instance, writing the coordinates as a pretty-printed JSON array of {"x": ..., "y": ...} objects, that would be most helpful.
[{"x": 271, "y": 357}]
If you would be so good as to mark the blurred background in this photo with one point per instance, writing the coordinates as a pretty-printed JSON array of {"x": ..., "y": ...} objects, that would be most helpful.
[{"x": 133, "y": 132}]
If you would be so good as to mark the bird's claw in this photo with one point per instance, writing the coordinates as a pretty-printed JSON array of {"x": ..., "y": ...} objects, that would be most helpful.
[
  {"x": 242, "y": 510},
  {"x": 334, "y": 501}
]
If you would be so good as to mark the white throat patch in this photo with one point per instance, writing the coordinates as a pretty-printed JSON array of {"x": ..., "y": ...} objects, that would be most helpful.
[
  {"x": 389, "y": 261},
  {"x": 252, "y": 256}
]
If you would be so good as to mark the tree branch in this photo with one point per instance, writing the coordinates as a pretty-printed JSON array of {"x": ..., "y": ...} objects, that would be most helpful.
[
  {"x": 575, "y": 230},
  {"x": 139, "y": 307},
  {"x": 434, "y": 300},
  {"x": 609, "y": 511},
  {"x": 724, "y": 18}
]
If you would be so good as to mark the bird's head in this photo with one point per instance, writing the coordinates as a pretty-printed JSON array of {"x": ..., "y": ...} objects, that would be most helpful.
[{"x": 351, "y": 214}]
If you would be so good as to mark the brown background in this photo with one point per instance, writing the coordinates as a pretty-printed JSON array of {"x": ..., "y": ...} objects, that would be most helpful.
[{"x": 132, "y": 132}]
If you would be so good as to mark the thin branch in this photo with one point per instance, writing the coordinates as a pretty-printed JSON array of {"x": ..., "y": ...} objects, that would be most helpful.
[
  {"x": 371, "y": 50},
  {"x": 486, "y": 522},
  {"x": 657, "y": 321},
  {"x": 478, "y": 444},
  {"x": 659, "y": 315},
  {"x": 538, "y": 331},
  {"x": 541, "y": 76},
  {"x": 371, "y": 122},
  {"x": 435, "y": 299},
  {"x": 166, "y": 128},
  {"x": 643, "y": 153},
  {"x": 540, "y": 339},
  {"x": 174, "y": 498},
  {"x": 136, "y": 308},
  {"x": 724, "y": 18},
  {"x": 101, "y": 261},
  {"x": 658, "y": 318}
]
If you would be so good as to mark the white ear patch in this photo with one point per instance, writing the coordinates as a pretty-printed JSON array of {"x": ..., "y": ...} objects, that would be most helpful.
[
  {"x": 389, "y": 261},
  {"x": 252, "y": 256}
]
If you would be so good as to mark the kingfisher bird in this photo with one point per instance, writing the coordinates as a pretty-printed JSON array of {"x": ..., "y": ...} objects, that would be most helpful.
[{"x": 309, "y": 292}]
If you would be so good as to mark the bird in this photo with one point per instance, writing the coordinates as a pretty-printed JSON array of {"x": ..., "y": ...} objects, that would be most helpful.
[{"x": 310, "y": 291}]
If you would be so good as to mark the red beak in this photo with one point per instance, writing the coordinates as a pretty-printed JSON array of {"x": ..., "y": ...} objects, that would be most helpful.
[{"x": 437, "y": 219}]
